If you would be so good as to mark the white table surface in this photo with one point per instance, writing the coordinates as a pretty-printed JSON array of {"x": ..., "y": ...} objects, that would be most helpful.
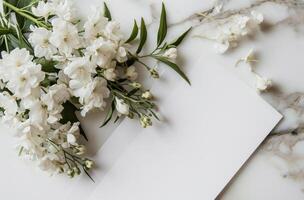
[{"x": 276, "y": 170}]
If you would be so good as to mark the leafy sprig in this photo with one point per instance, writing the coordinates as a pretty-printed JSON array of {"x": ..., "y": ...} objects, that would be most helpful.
[
  {"x": 161, "y": 46},
  {"x": 141, "y": 105}
]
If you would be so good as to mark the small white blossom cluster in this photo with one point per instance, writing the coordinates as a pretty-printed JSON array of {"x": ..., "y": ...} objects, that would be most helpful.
[
  {"x": 85, "y": 56},
  {"x": 233, "y": 29},
  {"x": 62, "y": 65},
  {"x": 82, "y": 51},
  {"x": 35, "y": 111}
]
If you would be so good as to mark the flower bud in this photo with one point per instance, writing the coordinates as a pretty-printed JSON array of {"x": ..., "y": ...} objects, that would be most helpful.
[
  {"x": 76, "y": 170},
  {"x": 136, "y": 85},
  {"x": 145, "y": 121},
  {"x": 131, "y": 73},
  {"x": 131, "y": 115},
  {"x": 121, "y": 107},
  {"x": 171, "y": 53},
  {"x": 71, "y": 173},
  {"x": 79, "y": 150},
  {"x": 88, "y": 164},
  {"x": 147, "y": 95},
  {"x": 110, "y": 74},
  {"x": 154, "y": 73}
]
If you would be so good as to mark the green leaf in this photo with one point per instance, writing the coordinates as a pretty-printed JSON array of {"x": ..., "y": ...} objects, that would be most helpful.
[
  {"x": 174, "y": 66},
  {"x": 162, "y": 30},
  {"x": 143, "y": 35},
  {"x": 21, "y": 4},
  {"x": 133, "y": 92},
  {"x": 23, "y": 42},
  {"x": 117, "y": 118},
  {"x": 13, "y": 41},
  {"x": 47, "y": 65},
  {"x": 107, "y": 12},
  {"x": 130, "y": 61},
  {"x": 179, "y": 40},
  {"x": 154, "y": 114},
  {"x": 88, "y": 174},
  {"x": 47, "y": 81},
  {"x": 5, "y": 31},
  {"x": 134, "y": 33},
  {"x": 109, "y": 115},
  {"x": 69, "y": 115}
]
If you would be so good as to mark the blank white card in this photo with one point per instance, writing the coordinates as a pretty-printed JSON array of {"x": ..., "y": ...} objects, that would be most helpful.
[{"x": 211, "y": 129}]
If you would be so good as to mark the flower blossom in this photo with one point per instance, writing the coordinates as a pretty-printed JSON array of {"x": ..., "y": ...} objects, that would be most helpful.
[
  {"x": 121, "y": 106},
  {"x": 40, "y": 40},
  {"x": 64, "y": 36}
]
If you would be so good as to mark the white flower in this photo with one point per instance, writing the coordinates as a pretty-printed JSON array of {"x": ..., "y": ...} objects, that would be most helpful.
[
  {"x": 40, "y": 40},
  {"x": 31, "y": 139},
  {"x": 131, "y": 73},
  {"x": 8, "y": 104},
  {"x": 112, "y": 31},
  {"x": 53, "y": 99},
  {"x": 56, "y": 95},
  {"x": 28, "y": 101},
  {"x": 38, "y": 116},
  {"x": 16, "y": 60},
  {"x": 229, "y": 33},
  {"x": 110, "y": 74},
  {"x": 71, "y": 135},
  {"x": 171, "y": 53},
  {"x": 64, "y": 9},
  {"x": 22, "y": 82},
  {"x": 71, "y": 139},
  {"x": 63, "y": 78},
  {"x": 95, "y": 25},
  {"x": 262, "y": 84},
  {"x": 121, "y": 55},
  {"x": 25, "y": 81},
  {"x": 93, "y": 95},
  {"x": 80, "y": 69},
  {"x": 102, "y": 52},
  {"x": 121, "y": 106},
  {"x": 65, "y": 36},
  {"x": 43, "y": 9}
]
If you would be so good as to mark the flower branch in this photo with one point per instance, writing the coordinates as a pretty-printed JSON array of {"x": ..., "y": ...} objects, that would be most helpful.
[{"x": 51, "y": 68}]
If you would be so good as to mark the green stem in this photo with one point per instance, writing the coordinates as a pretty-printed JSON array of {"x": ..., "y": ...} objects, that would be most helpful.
[
  {"x": 144, "y": 64},
  {"x": 125, "y": 97},
  {"x": 23, "y": 14}
]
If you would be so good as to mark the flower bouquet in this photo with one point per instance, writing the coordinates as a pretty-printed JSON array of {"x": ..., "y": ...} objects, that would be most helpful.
[{"x": 53, "y": 65}]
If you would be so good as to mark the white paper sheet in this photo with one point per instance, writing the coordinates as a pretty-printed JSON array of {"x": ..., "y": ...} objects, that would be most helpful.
[{"x": 211, "y": 130}]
